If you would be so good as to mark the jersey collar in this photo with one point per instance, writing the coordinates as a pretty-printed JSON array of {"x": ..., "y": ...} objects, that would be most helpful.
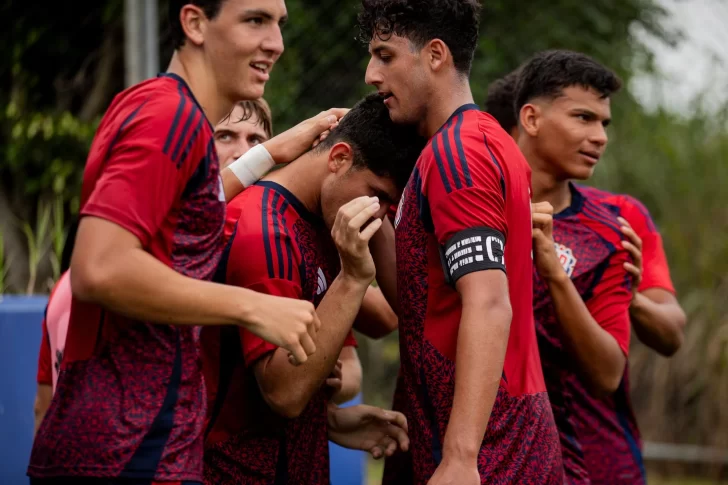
[
  {"x": 577, "y": 201},
  {"x": 461, "y": 109},
  {"x": 179, "y": 79},
  {"x": 293, "y": 200}
]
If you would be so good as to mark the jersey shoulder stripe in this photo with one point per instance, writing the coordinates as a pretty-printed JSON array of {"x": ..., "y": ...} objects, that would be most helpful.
[{"x": 277, "y": 242}]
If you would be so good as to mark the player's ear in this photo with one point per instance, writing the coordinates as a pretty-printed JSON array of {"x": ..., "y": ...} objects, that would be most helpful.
[
  {"x": 194, "y": 23},
  {"x": 530, "y": 118},
  {"x": 436, "y": 54},
  {"x": 341, "y": 156}
]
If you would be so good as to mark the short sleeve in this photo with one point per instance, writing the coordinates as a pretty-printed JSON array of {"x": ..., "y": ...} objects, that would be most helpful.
[
  {"x": 142, "y": 179},
  {"x": 253, "y": 346},
  {"x": 45, "y": 366},
  {"x": 655, "y": 270},
  {"x": 253, "y": 263},
  {"x": 610, "y": 299},
  {"x": 465, "y": 191}
]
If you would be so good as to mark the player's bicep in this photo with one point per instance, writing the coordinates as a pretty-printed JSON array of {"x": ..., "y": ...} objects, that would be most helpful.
[
  {"x": 484, "y": 290},
  {"x": 468, "y": 218},
  {"x": 100, "y": 244}
]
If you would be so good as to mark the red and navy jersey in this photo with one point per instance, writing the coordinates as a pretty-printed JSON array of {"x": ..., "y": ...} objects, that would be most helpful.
[
  {"x": 656, "y": 272},
  {"x": 615, "y": 457},
  {"x": 467, "y": 208},
  {"x": 588, "y": 241},
  {"x": 130, "y": 401},
  {"x": 280, "y": 248}
]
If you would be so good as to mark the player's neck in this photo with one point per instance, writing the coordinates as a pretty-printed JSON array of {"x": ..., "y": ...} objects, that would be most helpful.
[
  {"x": 302, "y": 178},
  {"x": 442, "y": 106},
  {"x": 547, "y": 188},
  {"x": 202, "y": 84}
]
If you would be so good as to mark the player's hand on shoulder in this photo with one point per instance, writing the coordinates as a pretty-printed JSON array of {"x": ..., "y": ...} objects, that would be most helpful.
[
  {"x": 544, "y": 252},
  {"x": 455, "y": 472},
  {"x": 287, "y": 323},
  {"x": 352, "y": 241},
  {"x": 633, "y": 245},
  {"x": 292, "y": 143}
]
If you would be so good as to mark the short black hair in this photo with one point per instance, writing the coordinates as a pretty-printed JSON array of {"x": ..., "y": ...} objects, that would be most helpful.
[
  {"x": 380, "y": 145},
  {"x": 455, "y": 22},
  {"x": 501, "y": 100},
  {"x": 210, "y": 7},
  {"x": 548, "y": 73}
]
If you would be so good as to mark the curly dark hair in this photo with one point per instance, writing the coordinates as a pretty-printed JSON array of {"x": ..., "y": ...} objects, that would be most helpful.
[
  {"x": 548, "y": 73},
  {"x": 455, "y": 22},
  {"x": 385, "y": 148},
  {"x": 501, "y": 100},
  {"x": 210, "y": 7}
]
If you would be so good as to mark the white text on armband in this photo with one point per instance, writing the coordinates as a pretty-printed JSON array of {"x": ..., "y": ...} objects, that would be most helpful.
[{"x": 472, "y": 250}]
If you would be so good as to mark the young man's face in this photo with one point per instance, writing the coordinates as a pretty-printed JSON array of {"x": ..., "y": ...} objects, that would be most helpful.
[
  {"x": 572, "y": 132},
  {"x": 233, "y": 137},
  {"x": 397, "y": 70},
  {"x": 348, "y": 183},
  {"x": 243, "y": 42}
]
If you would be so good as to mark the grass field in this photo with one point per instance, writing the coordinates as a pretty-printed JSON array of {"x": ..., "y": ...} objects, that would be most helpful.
[{"x": 375, "y": 469}]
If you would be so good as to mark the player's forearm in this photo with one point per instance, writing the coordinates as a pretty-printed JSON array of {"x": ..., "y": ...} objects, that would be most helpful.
[
  {"x": 595, "y": 350},
  {"x": 137, "y": 285},
  {"x": 375, "y": 319},
  {"x": 382, "y": 247},
  {"x": 230, "y": 184},
  {"x": 481, "y": 350},
  {"x": 658, "y": 324},
  {"x": 288, "y": 389}
]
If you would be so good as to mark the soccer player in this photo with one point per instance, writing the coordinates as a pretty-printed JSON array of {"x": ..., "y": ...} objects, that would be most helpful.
[
  {"x": 655, "y": 313},
  {"x": 657, "y": 317},
  {"x": 249, "y": 124},
  {"x": 582, "y": 290},
  {"x": 130, "y": 402},
  {"x": 470, "y": 382},
  {"x": 268, "y": 419}
]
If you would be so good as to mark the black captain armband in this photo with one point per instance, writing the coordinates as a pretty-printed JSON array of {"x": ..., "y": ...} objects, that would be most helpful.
[{"x": 471, "y": 250}]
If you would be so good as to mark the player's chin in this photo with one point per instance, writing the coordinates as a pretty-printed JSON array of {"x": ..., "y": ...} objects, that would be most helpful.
[
  {"x": 253, "y": 89},
  {"x": 400, "y": 117},
  {"x": 581, "y": 172}
]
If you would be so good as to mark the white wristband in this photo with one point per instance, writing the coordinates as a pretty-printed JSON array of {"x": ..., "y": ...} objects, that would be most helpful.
[{"x": 255, "y": 163}]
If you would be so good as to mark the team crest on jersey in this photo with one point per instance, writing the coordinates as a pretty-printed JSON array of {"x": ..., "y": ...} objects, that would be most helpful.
[
  {"x": 566, "y": 257},
  {"x": 398, "y": 216}
]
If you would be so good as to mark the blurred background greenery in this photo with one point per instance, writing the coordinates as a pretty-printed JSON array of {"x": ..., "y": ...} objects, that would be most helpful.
[{"x": 62, "y": 66}]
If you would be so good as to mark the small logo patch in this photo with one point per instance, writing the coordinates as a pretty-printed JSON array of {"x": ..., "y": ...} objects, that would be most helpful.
[
  {"x": 398, "y": 216},
  {"x": 566, "y": 257},
  {"x": 321, "y": 284}
]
